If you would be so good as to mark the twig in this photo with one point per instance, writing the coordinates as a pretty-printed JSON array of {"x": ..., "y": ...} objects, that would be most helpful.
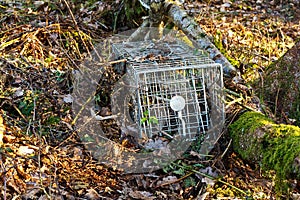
[
  {"x": 175, "y": 181},
  {"x": 34, "y": 105},
  {"x": 144, "y": 4},
  {"x": 62, "y": 49},
  {"x": 232, "y": 92},
  {"x": 99, "y": 117},
  {"x": 4, "y": 97},
  {"x": 20, "y": 113},
  {"x": 226, "y": 148},
  {"x": 241, "y": 104},
  {"x": 233, "y": 100},
  {"x": 276, "y": 101},
  {"x": 82, "y": 108},
  {"x": 165, "y": 133},
  {"x": 113, "y": 62}
]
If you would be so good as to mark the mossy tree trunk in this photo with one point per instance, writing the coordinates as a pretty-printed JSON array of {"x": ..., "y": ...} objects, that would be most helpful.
[{"x": 259, "y": 139}]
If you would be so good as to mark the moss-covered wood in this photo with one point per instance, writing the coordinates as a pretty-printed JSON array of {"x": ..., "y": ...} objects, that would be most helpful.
[{"x": 273, "y": 146}]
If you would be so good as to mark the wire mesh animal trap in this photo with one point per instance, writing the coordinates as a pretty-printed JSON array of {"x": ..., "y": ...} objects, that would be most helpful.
[{"x": 169, "y": 89}]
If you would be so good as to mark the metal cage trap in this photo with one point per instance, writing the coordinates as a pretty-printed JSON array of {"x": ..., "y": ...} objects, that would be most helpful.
[{"x": 169, "y": 89}]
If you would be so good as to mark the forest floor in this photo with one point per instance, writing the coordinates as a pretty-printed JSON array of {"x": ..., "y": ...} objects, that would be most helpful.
[{"x": 42, "y": 157}]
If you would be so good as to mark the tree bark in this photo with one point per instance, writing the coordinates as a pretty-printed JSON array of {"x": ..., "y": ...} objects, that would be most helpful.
[{"x": 279, "y": 87}]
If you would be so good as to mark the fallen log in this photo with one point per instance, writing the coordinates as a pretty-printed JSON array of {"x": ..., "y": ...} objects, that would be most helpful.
[{"x": 273, "y": 146}]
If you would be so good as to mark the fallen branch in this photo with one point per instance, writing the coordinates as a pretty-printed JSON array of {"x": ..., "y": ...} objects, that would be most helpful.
[{"x": 158, "y": 11}]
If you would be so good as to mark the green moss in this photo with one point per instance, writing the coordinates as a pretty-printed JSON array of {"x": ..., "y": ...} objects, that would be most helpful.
[
  {"x": 250, "y": 148},
  {"x": 282, "y": 149},
  {"x": 283, "y": 130},
  {"x": 274, "y": 146},
  {"x": 227, "y": 192},
  {"x": 251, "y": 121}
]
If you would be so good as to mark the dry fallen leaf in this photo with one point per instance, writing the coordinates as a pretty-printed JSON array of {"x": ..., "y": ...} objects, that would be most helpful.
[
  {"x": 22, "y": 173},
  {"x": 19, "y": 92},
  {"x": 31, "y": 193},
  {"x": 8, "y": 138},
  {"x": 92, "y": 194},
  {"x": 68, "y": 98},
  {"x": 141, "y": 195},
  {"x": 24, "y": 150},
  {"x": 11, "y": 183}
]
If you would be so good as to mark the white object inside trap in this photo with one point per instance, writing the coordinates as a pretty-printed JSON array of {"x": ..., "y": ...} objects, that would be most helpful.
[{"x": 177, "y": 103}]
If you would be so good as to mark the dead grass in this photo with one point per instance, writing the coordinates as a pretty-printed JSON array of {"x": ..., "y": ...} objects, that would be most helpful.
[{"x": 251, "y": 35}]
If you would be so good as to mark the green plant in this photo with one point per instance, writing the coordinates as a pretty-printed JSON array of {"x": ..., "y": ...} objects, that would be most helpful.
[
  {"x": 180, "y": 168},
  {"x": 148, "y": 119},
  {"x": 26, "y": 106},
  {"x": 52, "y": 120},
  {"x": 189, "y": 182},
  {"x": 60, "y": 75}
]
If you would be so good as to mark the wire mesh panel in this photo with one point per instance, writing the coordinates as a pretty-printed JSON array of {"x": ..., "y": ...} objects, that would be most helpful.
[{"x": 174, "y": 89}]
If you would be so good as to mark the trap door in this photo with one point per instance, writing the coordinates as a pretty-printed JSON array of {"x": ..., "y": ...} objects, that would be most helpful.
[{"x": 167, "y": 101}]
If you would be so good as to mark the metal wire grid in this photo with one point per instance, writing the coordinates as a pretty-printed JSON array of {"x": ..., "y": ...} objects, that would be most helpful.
[
  {"x": 157, "y": 83},
  {"x": 154, "y": 99}
]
